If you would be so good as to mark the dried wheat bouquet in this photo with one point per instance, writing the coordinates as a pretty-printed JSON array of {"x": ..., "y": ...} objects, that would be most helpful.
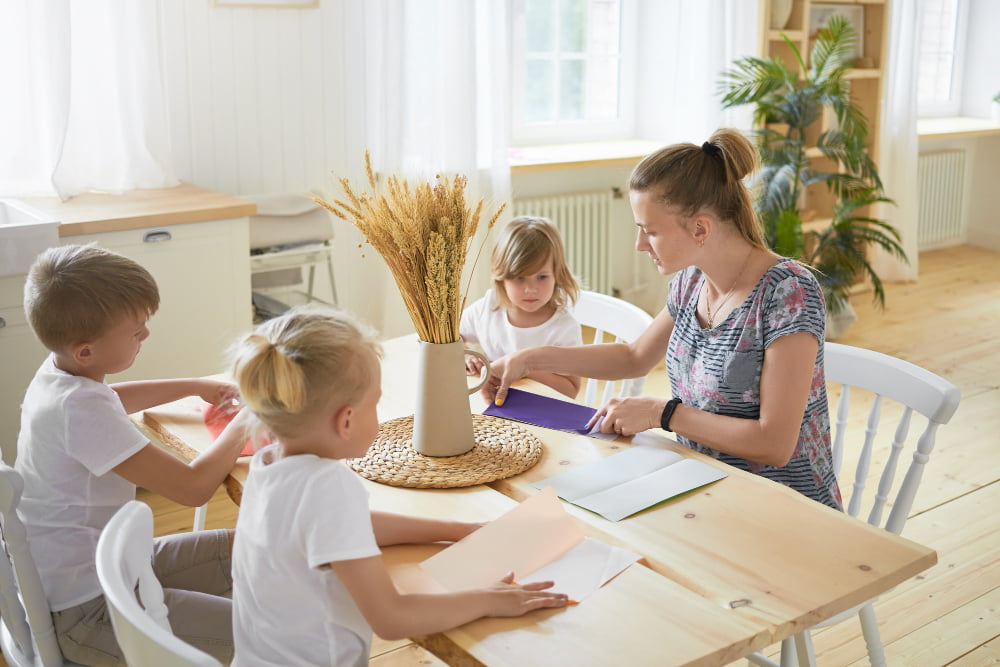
[{"x": 424, "y": 233}]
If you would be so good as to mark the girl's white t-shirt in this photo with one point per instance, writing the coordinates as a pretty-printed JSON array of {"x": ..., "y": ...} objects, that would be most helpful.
[
  {"x": 74, "y": 430},
  {"x": 297, "y": 514},
  {"x": 485, "y": 324}
]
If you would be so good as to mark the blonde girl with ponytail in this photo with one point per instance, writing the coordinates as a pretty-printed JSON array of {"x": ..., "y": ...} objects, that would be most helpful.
[{"x": 309, "y": 583}]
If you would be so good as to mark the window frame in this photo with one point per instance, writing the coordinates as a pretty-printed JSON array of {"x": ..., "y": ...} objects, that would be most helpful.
[
  {"x": 573, "y": 131},
  {"x": 953, "y": 106}
]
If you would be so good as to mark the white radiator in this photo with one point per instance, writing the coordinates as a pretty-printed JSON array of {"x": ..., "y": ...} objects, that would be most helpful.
[
  {"x": 941, "y": 179},
  {"x": 584, "y": 220}
]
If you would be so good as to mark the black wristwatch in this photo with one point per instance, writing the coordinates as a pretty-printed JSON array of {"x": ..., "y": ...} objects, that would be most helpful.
[{"x": 668, "y": 412}]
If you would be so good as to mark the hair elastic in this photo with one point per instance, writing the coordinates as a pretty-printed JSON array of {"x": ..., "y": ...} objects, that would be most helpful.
[{"x": 711, "y": 149}]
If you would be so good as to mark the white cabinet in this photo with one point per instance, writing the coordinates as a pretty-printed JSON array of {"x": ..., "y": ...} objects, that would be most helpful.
[{"x": 202, "y": 270}]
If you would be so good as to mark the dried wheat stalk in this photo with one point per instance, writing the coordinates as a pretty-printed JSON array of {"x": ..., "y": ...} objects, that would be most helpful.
[{"x": 423, "y": 233}]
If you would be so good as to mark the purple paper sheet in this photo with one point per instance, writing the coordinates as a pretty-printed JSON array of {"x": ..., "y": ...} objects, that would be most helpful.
[{"x": 531, "y": 408}]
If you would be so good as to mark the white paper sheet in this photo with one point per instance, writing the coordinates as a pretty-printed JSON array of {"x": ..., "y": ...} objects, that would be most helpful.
[{"x": 632, "y": 480}]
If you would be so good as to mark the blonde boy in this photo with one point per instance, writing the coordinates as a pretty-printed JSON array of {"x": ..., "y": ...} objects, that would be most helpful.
[{"x": 81, "y": 457}]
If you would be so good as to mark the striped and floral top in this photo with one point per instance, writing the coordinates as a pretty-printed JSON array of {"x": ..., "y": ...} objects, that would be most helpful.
[{"x": 718, "y": 369}]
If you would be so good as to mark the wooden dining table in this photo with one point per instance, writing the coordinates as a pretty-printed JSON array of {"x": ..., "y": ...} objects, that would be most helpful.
[{"x": 727, "y": 569}]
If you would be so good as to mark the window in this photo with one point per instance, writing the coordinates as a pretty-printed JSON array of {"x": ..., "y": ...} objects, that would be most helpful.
[
  {"x": 571, "y": 71},
  {"x": 941, "y": 32}
]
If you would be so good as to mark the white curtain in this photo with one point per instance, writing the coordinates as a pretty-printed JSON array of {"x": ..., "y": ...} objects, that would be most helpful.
[
  {"x": 433, "y": 98},
  {"x": 83, "y": 98},
  {"x": 898, "y": 142},
  {"x": 695, "y": 41}
]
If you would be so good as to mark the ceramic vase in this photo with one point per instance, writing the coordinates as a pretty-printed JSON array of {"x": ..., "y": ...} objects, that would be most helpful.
[
  {"x": 780, "y": 11},
  {"x": 442, "y": 422}
]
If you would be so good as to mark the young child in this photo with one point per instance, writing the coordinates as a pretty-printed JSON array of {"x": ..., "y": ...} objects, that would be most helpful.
[
  {"x": 528, "y": 304},
  {"x": 81, "y": 457},
  {"x": 309, "y": 582}
]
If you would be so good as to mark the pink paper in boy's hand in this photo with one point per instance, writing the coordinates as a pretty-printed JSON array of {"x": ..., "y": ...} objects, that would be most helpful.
[{"x": 217, "y": 418}]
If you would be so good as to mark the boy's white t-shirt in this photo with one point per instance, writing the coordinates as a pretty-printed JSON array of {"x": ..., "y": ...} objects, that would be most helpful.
[
  {"x": 297, "y": 514},
  {"x": 74, "y": 430},
  {"x": 485, "y": 324}
]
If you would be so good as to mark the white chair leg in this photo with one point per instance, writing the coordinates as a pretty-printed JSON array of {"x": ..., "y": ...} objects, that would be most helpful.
[
  {"x": 873, "y": 639},
  {"x": 333, "y": 285},
  {"x": 804, "y": 649},
  {"x": 788, "y": 652},
  {"x": 199, "y": 517},
  {"x": 760, "y": 659}
]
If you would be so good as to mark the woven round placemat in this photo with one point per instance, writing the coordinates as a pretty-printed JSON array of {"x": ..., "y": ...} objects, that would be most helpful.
[{"x": 503, "y": 448}]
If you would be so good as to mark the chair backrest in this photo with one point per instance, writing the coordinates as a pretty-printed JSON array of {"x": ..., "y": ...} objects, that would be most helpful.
[
  {"x": 917, "y": 390},
  {"x": 124, "y": 566},
  {"x": 619, "y": 318},
  {"x": 28, "y": 637}
]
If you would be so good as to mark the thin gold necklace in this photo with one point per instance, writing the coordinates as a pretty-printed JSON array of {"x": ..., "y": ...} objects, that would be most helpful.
[{"x": 708, "y": 303}]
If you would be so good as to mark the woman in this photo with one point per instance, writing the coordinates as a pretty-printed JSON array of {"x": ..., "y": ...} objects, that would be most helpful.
[{"x": 742, "y": 329}]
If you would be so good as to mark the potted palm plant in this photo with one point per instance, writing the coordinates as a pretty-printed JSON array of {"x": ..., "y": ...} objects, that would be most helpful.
[{"x": 789, "y": 104}]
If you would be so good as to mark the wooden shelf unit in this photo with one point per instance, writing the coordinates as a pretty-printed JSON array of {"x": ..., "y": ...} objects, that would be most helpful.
[{"x": 866, "y": 80}]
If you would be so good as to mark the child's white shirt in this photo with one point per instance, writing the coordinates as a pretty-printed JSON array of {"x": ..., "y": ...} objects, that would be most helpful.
[
  {"x": 297, "y": 514},
  {"x": 486, "y": 324},
  {"x": 74, "y": 430}
]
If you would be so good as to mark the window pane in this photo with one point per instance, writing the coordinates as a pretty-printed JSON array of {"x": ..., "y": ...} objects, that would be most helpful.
[
  {"x": 602, "y": 89},
  {"x": 605, "y": 28},
  {"x": 938, "y": 34},
  {"x": 573, "y": 26},
  {"x": 539, "y": 106},
  {"x": 539, "y": 17},
  {"x": 571, "y": 81}
]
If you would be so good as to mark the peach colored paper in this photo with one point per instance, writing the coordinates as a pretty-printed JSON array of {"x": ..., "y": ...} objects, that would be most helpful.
[{"x": 537, "y": 540}]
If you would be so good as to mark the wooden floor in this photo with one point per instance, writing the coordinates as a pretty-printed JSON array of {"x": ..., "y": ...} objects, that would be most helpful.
[{"x": 949, "y": 323}]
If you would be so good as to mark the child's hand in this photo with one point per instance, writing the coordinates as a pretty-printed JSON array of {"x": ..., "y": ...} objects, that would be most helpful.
[
  {"x": 222, "y": 394},
  {"x": 517, "y": 599},
  {"x": 473, "y": 365}
]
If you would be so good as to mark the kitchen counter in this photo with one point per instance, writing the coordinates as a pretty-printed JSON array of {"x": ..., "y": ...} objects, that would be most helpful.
[{"x": 96, "y": 213}]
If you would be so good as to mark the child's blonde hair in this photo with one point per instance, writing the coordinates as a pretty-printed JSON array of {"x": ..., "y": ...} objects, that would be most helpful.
[
  {"x": 303, "y": 362},
  {"x": 76, "y": 293},
  {"x": 523, "y": 247},
  {"x": 692, "y": 178}
]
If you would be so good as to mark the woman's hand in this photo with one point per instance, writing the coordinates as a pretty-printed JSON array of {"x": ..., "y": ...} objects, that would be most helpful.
[
  {"x": 628, "y": 416},
  {"x": 503, "y": 372}
]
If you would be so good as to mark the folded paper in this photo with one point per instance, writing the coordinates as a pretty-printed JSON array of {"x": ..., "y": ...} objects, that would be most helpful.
[
  {"x": 531, "y": 408},
  {"x": 622, "y": 484},
  {"x": 537, "y": 541}
]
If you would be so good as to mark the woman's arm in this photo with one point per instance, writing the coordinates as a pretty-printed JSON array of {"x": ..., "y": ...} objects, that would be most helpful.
[
  {"x": 393, "y": 615},
  {"x": 192, "y": 483},
  {"x": 142, "y": 394},
  {"x": 393, "y": 528},
  {"x": 607, "y": 361},
  {"x": 785, "y": 383},
  {"x": 568, "y": 385}
]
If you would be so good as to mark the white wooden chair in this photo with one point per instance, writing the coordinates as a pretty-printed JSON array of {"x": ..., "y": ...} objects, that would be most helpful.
[
  {"x": 917, "y": 390},
  {"x": 124, "y": 567},
  {"x": 619, "y": 318},
  {"x": 27, "y": 636}
]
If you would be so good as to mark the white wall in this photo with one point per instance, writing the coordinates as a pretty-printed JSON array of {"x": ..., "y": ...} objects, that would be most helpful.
[{"x": 256, "y": 106}]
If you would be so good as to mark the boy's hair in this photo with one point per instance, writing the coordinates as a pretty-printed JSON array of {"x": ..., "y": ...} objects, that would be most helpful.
[
  {"x": 76, "y": 293},
  {"x": 692, "y": 178},
  {"x": 525, "y": 244},
  {"x": 306, "y": 360}
]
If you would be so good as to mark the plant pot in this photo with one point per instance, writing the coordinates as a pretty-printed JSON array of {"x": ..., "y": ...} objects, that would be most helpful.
[
  {"x": 838, "y": 324},
  {"x": 442, "y": 422}
]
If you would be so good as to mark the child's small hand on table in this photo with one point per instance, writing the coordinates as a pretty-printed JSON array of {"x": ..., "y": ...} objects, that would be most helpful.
[
  {"x": 515, "y": 599},
  {"x": 473, "y": 365},
  {"x": 224, "y": 395}
]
